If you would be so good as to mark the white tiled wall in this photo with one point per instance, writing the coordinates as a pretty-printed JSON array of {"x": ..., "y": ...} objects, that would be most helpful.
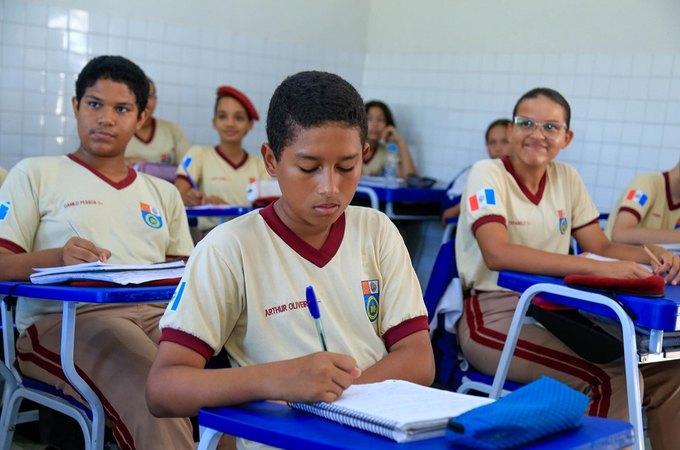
[
  {"x": 42, "y": 49},
  {"x": 625, "y": 108}
]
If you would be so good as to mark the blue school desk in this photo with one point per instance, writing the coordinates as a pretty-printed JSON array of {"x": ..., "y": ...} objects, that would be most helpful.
[
  {"x": 278, "y": 425},
  {"x": 379, "y": 193},
  {"x": 218, "y": 210},
  {"x": 651, "y": 316},
  {"x": 71, "y": 295}
]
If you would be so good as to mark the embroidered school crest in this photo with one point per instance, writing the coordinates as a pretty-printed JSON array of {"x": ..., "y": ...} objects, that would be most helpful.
[
  {"x": 151, "y": 215},
  {"x": 4, "y": 210},
  {"x": 371, "y": 290},
  {"x": 563, "y": 223},
  {"x": 637, "y": 196}
]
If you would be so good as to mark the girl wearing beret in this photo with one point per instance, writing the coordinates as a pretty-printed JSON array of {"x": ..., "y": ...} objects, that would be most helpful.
[{"x": 220, "y": 174}]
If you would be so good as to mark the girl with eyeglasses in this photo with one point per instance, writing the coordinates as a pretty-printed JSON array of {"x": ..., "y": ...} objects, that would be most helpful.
[{"x": 519, "y": 213}]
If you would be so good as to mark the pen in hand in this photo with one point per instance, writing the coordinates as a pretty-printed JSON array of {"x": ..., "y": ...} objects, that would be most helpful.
[
  {"x": 314, "y": 311},
  {"x": 186, "y": 162},
  {"x": 652, "y": 256},
  {"x": 75, "y": 229}
]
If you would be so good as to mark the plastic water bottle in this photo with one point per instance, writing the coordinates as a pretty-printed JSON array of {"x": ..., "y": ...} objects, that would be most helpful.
[{"x": 391, "y": 166}]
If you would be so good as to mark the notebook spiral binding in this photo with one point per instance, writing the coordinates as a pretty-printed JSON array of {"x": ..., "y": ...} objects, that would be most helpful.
[{"x": 348, "y": 417}]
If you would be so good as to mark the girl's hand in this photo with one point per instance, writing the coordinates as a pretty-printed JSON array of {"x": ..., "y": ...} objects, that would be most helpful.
[
  {"x": 192, "y": 197},
  {"x": 213, "y": 200},
  {"x": 670, "y": 265},
  {"x": 390, "y": 134},
  {"x": 620, "y": 269}
]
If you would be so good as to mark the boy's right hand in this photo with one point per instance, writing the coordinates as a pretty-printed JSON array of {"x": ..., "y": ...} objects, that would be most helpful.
[
  {"x": 319, "y": 377},
  {"x": 78, "y": 250}
]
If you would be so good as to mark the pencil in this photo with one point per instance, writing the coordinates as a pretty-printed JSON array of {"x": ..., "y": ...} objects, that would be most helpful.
[{"x": 653, "y": 257}]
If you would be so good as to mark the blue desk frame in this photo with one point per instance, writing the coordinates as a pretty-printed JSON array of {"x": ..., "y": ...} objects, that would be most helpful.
[
  {"x": 70, "y": 296},
  {"x": 280, "y": 426},
  {"x": 656, "y": 314},
  {"x": 218, "y": 211},
  {"x": 378, "y": 193}
]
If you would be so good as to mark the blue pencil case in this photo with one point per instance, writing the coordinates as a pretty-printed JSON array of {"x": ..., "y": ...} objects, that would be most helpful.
[{"x": 532, "y": 412}]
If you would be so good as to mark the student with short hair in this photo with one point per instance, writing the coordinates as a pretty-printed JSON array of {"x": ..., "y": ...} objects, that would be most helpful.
[
  {"x": 381, "y": 131},
  {"x": 222, "y": 172},
  {"x": 519, "y": 213},
  {"x": 648, "y": 212},
  {"x": 245, "y": 284},
  {"x": 124, "y": 217},
  {"x": 157, "y": 140},
  {"x": 497, "y": 146}
]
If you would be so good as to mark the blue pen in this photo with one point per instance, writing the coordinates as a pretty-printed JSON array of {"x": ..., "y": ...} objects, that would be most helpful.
[
  {"x": 186, "y": 162},
  {"x": 314, "y": 311}
]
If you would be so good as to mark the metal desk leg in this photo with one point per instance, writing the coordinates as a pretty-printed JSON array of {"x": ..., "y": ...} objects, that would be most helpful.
[
  {"x": 68, "y": 325},
  {"x": 209, "y": 439},
  {"x": 629, "y": 347}
]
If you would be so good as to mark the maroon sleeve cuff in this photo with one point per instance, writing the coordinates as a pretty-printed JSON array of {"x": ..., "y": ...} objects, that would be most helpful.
[
  {"x": 183, "y": 177},
  {"x": 595, "y": 220},
  {"x": 11, "y": 246},
  {"x": 406, "y": 328},
  {"x": 632, "y": 211},
  {"x": 487, "y": 219},
  {"x": 187, "y": 340}
]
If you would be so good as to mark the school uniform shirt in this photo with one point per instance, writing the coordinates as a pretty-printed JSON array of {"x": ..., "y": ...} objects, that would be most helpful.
[
  {"x": 217, "y": 175},
  {"x": 543, "y": 221},
  {"x": 375, "y": 165},
  {"x": 244, "y": 289},
  {"x": 140, "y": 219},
  {"x": 166, "y": 144},
  {"x": 648, "y": 197}
]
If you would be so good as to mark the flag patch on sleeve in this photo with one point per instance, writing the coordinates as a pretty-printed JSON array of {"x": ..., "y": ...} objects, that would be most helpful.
[
  {"x": 480, "y": 200},
  {"x": 4, "y": 210},
  {"x": 637, "y": 196}
]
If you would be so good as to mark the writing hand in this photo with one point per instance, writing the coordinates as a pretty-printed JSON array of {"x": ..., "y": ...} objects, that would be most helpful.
[
  {"x": 621, "y": 269},
  {"x": 319, "y": 377},
  {"x": 670, "y": 265},
  {"x": 213, "y": 200},
  {"x": 78, "y": 250},
  {"x": 192, "y": 197}
]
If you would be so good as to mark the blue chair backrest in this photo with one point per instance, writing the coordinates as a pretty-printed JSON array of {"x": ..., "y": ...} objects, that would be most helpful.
[
  {"x": 443, "y": 271},
  {"x": 444, "y": 343}
]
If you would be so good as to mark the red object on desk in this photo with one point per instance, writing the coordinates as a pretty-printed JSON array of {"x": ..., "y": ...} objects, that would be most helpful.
[
  {"x": 94, "y": 283},
  {"x": 652, "y": 286}
]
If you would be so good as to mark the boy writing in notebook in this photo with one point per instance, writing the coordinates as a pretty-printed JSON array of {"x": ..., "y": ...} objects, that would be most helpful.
[
  {"x": 245, "y": 285},
  {"x": 123, "y": 217}
]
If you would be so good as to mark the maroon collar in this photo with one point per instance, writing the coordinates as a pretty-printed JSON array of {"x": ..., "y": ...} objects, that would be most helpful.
[
  {"x": 669, "y": 197},
  {"x": 153, "y": 132},
  {"x": 236, "y": 165},
  {"x": 319, "y": 257},
  {"x": 125, "y": 182},
  {"x": 533, "y": 198}
]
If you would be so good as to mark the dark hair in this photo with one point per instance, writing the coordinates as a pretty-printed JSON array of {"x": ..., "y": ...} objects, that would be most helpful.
[
  {"x": 118, "y": 69},
  {"x": 550, "y": 94},
  {"x": 312, "y": 99},
  {"x": 495, "y": 123},
  {"x": 389, "y": 119}
]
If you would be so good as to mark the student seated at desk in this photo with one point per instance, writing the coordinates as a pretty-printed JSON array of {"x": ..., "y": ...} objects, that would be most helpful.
[
  {"x": 519, "y": 213},
  {"x": 157, "y": 140},
  {"x": 381, "y": 131},
  {"x": 497, "y": 145},
  {"x": 648, "y": 211},
  {"x": 370, "y": 300},
  {"x": 222, "y": 172},
  {"x": 124, "y": 217}
]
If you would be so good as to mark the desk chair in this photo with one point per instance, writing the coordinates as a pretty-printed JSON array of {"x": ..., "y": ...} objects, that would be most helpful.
[
  {"x": 452, "y": 370},
  {"x": 17, "y": 387}
]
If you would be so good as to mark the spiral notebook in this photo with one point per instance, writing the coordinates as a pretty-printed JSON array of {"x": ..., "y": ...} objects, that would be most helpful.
[{"x": 396, "y": 409}]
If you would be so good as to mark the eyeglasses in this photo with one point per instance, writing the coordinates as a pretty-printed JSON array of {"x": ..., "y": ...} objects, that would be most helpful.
[{"x": 549, "y": 129}]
